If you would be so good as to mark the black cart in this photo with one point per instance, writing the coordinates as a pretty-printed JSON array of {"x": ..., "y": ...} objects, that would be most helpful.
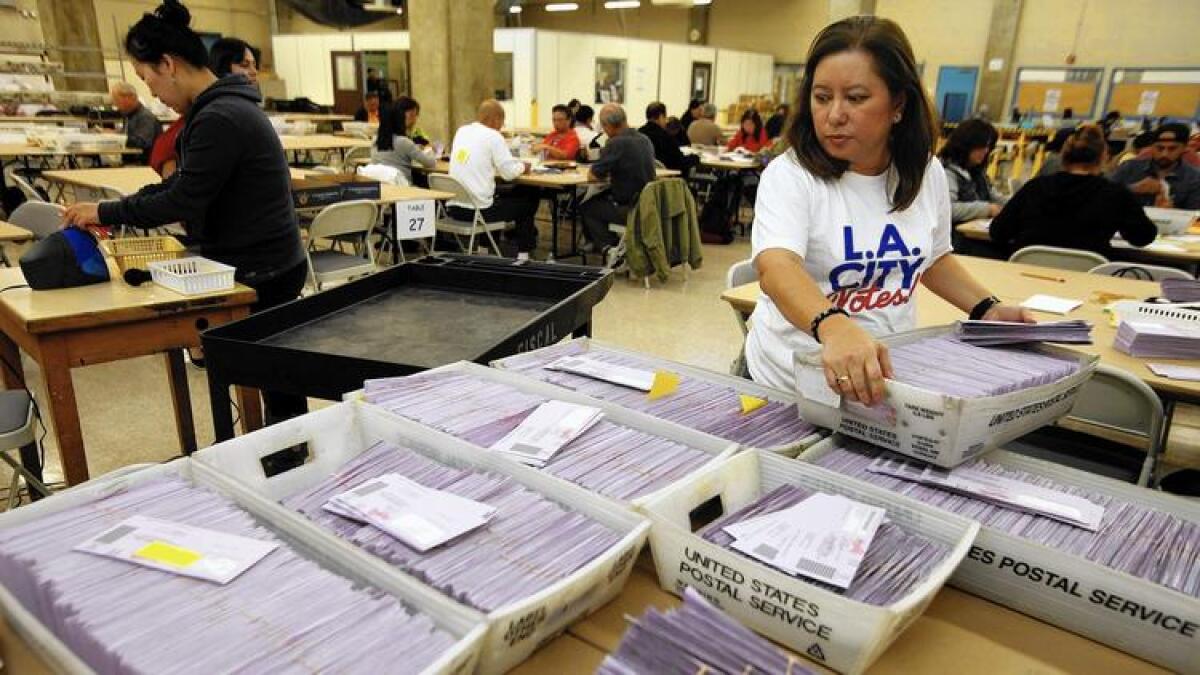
[{"x": 420, "y": 315}]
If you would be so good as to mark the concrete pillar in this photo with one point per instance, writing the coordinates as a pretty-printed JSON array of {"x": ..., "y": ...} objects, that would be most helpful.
[
  {"x": 452, "y": 63},
  {"x": 998, "y": 59},
  {"x": 844, "y": 9},
  {"x": 72, "y": 23}
]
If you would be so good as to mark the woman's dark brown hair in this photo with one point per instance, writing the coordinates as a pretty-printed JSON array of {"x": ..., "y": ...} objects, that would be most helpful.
[
  {"x": 1086, "y": 146},
  {"x": 912, "y": 138}
]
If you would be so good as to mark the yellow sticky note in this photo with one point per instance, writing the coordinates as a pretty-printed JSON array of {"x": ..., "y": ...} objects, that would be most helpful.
[
  {"x": 664, "y": 384},
  {"x": 751, "y": 403},
  {"x": 168, "y": 554}
]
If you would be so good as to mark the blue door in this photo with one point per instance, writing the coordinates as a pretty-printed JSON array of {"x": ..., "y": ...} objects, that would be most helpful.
[{"x": 955, "y": 95}]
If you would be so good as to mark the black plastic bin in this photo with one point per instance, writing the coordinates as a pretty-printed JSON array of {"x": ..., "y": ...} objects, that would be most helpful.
[{"x": 420, "y": 315}]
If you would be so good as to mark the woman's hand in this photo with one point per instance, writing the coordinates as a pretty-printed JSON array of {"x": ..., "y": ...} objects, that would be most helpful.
[
  {"x": 82, "y": 214},
  {"x": 993, "y": 210},
  {"x": 855, "y": 363},
  {"x": 1009, "y": 313}
]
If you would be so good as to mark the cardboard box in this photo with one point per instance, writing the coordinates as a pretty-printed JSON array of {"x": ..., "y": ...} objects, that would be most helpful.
[
  {"x": 309, "y": 193},
  {"x": 302, "y": 536},
  {"x": 1125, "y": 612},
  {"x": 837, "y": 632},
  {"x": 933, "y": 427},
  {"x": 341, "y": 432},
  {"x": 738, "y": 384}
]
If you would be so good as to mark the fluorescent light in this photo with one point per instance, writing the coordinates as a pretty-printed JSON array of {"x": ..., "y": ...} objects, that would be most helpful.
[
  {"x": 399, "y": 10},
  {"x": 622, "y": 4},
  {"x": 562, "y": 7},
  {"x": 701, "y": 2},
  {"x": 515, "y": 9}
]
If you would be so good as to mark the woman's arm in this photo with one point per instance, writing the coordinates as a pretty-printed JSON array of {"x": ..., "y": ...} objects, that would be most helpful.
[
  {"x": 855, "y": 364},
  {"x": 960, "y": 211},
  {"x": 953, "y": 283},
  {"x": 416, "y": 155}
]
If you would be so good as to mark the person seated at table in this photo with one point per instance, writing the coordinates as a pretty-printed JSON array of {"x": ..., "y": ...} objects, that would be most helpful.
[
  {"x": 1163, "y": 179},
  {"x": 854, "y": 217},
  {"x": 583, "y": 129},
  {"x": 563, "y": 142},
  {"x": 695, "y": 107},
  {"x": 627, "y": 163},
  {"x": 477, "y": 155},
  {"x": 141, "y": 126},
  {"x": 666, "y": 148},
  {"x": 964, "y": 159},
  {"x": 232, "y": 188},
  {"x": 704, "y": 131},
  {"x": 369, "y": 110},
  {"x": 573, "y": 106},
  {"x": 1137, "y": 146},
  {"x": 1074, "y": 208},
  {"x": 393, "y": 146},
  {"x": 751, "y": 135},
  {"x": 775, "y": 122},
  {"x": 1190, "y": 156},
  {"x": 231, "y": 56}
]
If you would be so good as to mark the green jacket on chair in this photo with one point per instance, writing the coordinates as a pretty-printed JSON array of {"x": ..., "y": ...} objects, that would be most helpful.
[{"x": 663, "y": 229}]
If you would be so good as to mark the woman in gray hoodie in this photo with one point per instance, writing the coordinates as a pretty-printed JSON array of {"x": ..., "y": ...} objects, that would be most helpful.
[{"x": 964, "y": 158}]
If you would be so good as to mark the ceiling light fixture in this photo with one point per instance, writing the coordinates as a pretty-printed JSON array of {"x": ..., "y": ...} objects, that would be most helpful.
[
  {"x": 622, "y": 4},
  {"x": 698, "y": 3},
  {"x": 515, "y": 9},
  {"x": 562, "y": 7}
]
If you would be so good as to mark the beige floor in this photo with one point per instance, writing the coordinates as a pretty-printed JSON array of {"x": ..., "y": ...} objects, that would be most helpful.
[{"x": 126, "y": 415}]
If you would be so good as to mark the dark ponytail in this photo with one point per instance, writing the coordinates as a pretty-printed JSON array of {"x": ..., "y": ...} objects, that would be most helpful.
[
  {"x": 166, "y": 31},
  {"x": 392, "y": 121},
  {"x": 1086, "y": 146}
]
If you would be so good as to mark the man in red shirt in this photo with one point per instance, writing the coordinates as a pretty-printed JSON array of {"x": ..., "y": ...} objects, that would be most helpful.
[{"x": 563, "y": 143}]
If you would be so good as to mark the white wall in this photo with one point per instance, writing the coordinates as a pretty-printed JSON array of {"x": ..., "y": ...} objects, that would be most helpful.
[
  {"x": 739, "y": 73},
  {"x": 548, "y": 68},
  {"x": 675, "y": 73}
]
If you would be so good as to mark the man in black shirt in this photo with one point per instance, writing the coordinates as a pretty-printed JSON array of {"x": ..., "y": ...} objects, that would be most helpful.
[
  {"x": 627, "y": 162},
  {"x": 141, "y": 126},
  {"x": 666, "y": 147}
]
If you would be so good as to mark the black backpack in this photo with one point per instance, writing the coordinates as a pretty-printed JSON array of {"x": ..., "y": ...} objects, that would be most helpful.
[{"x": 716, "y": 218}]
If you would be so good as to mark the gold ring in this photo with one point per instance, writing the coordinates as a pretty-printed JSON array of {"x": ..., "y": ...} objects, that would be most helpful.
[{"x": 843, "y": 378}]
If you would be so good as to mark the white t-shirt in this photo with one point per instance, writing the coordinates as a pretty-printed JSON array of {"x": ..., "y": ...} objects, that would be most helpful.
[
  {"x": 476, "y": 156},
  {"x": 866, "y": 260}
]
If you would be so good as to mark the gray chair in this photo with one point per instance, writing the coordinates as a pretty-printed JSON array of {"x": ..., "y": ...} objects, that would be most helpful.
[
  {"x": 356, "y": 157},
  {"x": 1060, "y": 258},
  {"x": 17, "y": 432},
  {"x": 1139, "y": 271},
  {"x": 462, "y": 228},
  {"x": 740, "y": 274},
  {"x": 336, "y": 220},
  {"x": 1112, "y": 400},
  {"x": 40, "y": 218}
]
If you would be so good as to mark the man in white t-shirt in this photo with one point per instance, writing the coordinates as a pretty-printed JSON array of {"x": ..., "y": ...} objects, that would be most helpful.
[
  {"x": 865, "y": 258},
  {"x": 477, "y": 156}
]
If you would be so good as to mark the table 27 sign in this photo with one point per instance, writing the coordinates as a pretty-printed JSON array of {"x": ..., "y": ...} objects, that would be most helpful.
[{"x": 416, "y": 219}]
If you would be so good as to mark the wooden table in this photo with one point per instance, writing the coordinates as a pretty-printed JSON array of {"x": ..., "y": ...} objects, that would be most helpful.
[
  {"x": 321, "y": 142},
  {"x": 1175, "y": 249},
  {"x": 127, "y": 180},
  {"x": 42, "y": 119},
  {"x": 730, "y": 165},
  {"x": 312, "y": 117},
  {"x": 956, "y": 634},
  {"x": 10, "y": 233},
  {"x": 66, "y": 328},
  {"x": 1010, "y": 283},
  {"x": 13, "y": 233},
  {"x": 24, "y": 152}
]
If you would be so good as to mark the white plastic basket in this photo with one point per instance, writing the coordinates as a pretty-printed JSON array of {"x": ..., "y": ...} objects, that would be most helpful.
[
  {"x": 192, "y": 276},
  {"x": 738, "y": 384},
  {"x": 837, "y": 632},
  {"x": 339, "y": 433},
  {"x": 1018, "y": 573},
  {"x": 464, "y": 624}
]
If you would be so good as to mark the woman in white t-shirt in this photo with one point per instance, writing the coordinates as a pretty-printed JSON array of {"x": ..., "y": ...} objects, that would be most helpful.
[{"x": 853, "y": 216}]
